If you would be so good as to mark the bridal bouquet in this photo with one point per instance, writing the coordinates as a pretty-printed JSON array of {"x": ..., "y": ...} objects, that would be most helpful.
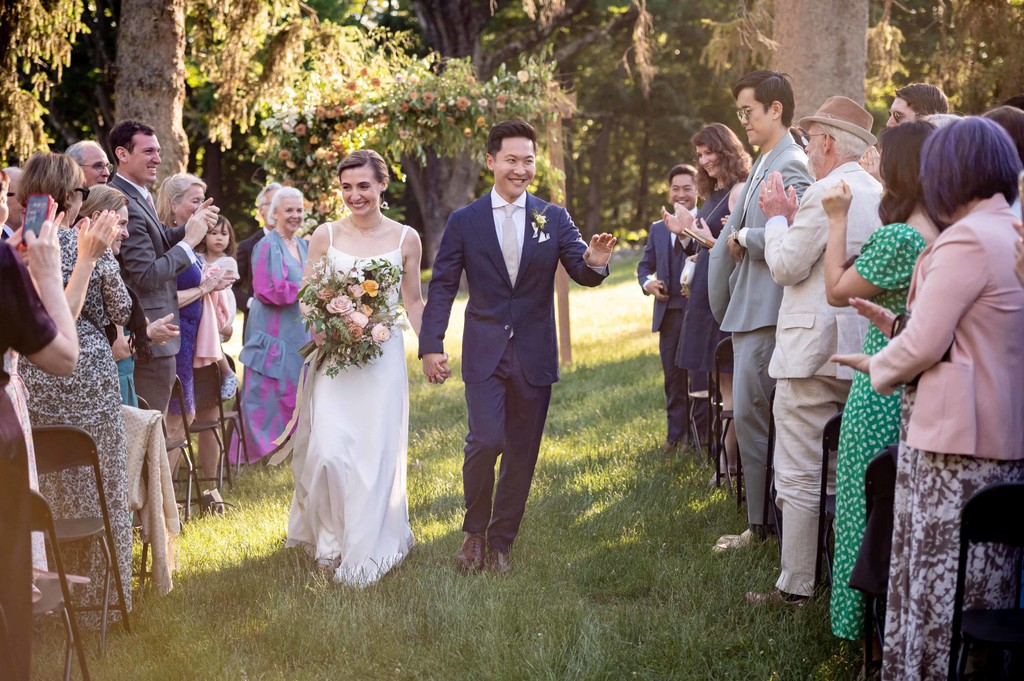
[{"x": 352, "y": 309}]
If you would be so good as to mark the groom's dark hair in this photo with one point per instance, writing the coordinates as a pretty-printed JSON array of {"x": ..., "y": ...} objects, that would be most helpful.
[{"x": 509, "y": 129}]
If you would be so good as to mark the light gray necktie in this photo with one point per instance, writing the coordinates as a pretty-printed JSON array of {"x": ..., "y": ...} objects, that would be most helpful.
[{"x": 509, "y": 243}]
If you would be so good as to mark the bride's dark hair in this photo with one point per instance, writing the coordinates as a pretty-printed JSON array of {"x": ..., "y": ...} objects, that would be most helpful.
[{"x": 366, "y": 157}]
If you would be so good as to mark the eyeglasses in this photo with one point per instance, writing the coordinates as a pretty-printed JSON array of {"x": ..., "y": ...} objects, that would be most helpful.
[
  {"x": 744, "y": 113},
  {"x": 84, "y": 192},
  {"x": 816, "y": 134},
  {"x": 100, "y": 167}
]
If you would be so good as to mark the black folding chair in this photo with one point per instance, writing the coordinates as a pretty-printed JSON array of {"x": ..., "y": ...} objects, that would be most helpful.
[
  {"x": 61, "y": 448},
  {"x": 826, "y": 501},
  {"x": 721, "y": 419},
  {"x": 694, "y": 398},
  {"x": 206, "y": 385},
  {"x": 992, "y": 515},
  {"x": 56, "y": 593},
  {"x": 183, "y": 443},
  {"x": 233, "y": 421}
]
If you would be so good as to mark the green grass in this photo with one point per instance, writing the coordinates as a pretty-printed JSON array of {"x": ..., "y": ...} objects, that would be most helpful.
[{"x": 613, "y": 579}]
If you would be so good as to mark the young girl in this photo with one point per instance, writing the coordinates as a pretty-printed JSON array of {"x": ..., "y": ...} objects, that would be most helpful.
[{"x": 218, "y": 250}]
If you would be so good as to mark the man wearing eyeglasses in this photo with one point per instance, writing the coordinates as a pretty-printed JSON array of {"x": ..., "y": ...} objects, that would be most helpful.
[
  {"x": 15, "y": 211},
  {"x": 744, "y": 298},
  {"x": 93, "y": 161}
]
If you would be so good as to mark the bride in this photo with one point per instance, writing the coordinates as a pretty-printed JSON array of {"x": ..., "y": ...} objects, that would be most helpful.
[{"x": 350, "y": 510}]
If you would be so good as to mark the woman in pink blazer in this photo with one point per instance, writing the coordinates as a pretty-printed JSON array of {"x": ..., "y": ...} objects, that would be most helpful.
[{"x": 960, "y": 355}]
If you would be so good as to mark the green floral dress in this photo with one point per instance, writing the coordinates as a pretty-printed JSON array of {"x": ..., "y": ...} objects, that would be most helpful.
[{"x": 870, "y": 421}]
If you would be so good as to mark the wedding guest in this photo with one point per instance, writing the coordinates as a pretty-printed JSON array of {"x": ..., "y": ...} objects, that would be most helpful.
[
  {"x": 881, "y": 273},
  {"x": 960, "y": 355},
  {"x": 809, "y": 387},
  {"x": 181, "y": 196},
  {"x": 1012, "y": 120},
  {"x": 15, "y": 211},
  {"x": 91, "y": 158},
  {"x": 724, "y": 166},
  {"x": 90, "y": 397},
  {"x": 243, "y": 287},
  {"x": 218, "y": 250},
  {"x": 743, "y": 297},
  {"x": 152, "y": 255},
  {"x": 277, "y": 330},
  {"x": 34, "y": 321},
  {"x": 916, "y": 99},
  {"x": 659, "y": 272}
]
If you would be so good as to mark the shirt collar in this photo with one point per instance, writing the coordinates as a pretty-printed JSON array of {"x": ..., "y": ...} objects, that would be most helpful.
[
  {"x": 142, "y": 190},
  {"x": 498, "y": 202}
]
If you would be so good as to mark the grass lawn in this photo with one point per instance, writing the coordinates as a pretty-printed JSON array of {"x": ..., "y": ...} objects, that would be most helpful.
[{"x": 613, "y": 574}]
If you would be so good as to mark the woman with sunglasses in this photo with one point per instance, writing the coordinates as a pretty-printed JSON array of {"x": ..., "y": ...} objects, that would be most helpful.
[{"x": 90, "y": 397}]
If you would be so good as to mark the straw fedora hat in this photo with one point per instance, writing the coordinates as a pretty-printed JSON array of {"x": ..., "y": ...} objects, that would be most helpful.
[{"x": 845, "y": 114}]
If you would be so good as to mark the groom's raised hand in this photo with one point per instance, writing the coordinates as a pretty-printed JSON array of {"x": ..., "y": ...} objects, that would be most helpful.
[
  {"x": 435, "y": 367},
  {"x": 600, "y": 250}
]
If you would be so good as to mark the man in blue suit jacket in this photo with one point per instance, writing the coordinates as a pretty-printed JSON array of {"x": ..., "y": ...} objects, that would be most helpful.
[
  {"x": 508, "y": 243},
  {"x": 658, "y": 272}
]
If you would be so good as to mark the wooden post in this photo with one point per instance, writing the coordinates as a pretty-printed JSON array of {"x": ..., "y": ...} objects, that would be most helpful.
[{"x": 556, "y": 156}]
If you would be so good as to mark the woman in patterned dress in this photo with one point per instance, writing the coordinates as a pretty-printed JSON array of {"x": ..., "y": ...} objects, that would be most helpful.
[
  {"x": 275, "y": 330},
  {"x": 962, "y": 349},
  {"x": 881, "y": 273},
  {"x": 90, "y": 397}
]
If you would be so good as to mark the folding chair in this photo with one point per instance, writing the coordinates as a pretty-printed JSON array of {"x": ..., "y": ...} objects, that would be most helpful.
[
  {"x": 826, "y": 501},
  {"x": 721, "y": 417},
  {"x": 61, "y": 448},
  {"x": 233, "y": 419},
  {"x": 993, "y": 516},
  {"x": 206, "y": 384},
  {"x": 693, "y": 398},
  {"x": 184, "y": 444},
  {"x": 56, "y": 593}
]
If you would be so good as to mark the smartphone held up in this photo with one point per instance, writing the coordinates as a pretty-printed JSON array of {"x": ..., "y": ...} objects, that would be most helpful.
[{"x": 37, "y": 210}]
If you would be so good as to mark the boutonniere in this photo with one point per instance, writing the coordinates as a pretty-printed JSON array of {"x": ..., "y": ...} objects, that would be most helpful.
[{"x": 540, "y": 221}]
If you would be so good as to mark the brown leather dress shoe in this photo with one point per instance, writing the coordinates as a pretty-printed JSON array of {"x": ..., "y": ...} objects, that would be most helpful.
[
  {"x": 499, "y": 563},
  {"x": 470, "y": 558}
]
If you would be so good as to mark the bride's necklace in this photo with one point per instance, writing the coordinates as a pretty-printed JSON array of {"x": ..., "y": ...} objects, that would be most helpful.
[{"x": 366, "y": 232}]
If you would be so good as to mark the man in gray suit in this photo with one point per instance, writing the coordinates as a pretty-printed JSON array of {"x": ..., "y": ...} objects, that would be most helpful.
[
  {"x": 744, "y": 298},
  {"x": 810, "y": 388},
  {"x": 152, "y": 256}
]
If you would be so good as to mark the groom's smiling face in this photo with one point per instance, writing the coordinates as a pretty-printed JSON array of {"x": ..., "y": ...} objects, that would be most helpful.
[{"x": 513, "y": 166}]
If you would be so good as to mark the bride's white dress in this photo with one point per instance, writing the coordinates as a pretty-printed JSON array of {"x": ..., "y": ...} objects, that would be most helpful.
[{"x": 349, "y": 460}]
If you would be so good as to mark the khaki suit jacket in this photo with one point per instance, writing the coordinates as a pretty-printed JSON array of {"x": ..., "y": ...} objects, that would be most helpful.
[{"x": 809, "y": 329}]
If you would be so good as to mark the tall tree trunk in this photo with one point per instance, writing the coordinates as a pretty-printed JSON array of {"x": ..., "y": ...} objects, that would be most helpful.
[
  {"x": 645, "y": 176},
  {"x": 151, "y": 74},
  {"x": 440, "y": 186},
  {"x": 596, "y": 172},
  {"x": 823, "y": 46}
]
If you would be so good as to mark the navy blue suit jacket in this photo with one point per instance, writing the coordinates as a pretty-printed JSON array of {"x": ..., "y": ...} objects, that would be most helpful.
[
  {"x": 656, "y": 260},
  {"x": 495, "y": 308}
]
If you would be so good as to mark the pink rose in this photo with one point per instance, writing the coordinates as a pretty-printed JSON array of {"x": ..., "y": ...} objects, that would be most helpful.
[
  {"x": 340, "y": 306},
  {"x": 358, "y": 318},
  {"x": 356, "y": 291},
  {"x": 380, "y": 333}
]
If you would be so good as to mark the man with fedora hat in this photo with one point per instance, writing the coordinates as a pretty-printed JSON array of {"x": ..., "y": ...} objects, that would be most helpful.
[{"x": 810, "y": 388}]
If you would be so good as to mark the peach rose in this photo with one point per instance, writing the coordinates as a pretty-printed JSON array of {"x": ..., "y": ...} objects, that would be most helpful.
[
  {"x": 358, "y": 318},
  {"x": 367, "y": 310},
  {"x": 300, "y": 129},
  {"x": 523, "y": 76},
  {"x": 356, "y": 332},
  {"x": 371, "y": 287},
  {"x": 340, "y": 306},
  {"x": 380, "y": 333},
  {"x": 428, "y": 98},
  {"x": 356, "y": 291},
  {"x": 326, "y": 293},
  {"x": 462, "y": 103}
]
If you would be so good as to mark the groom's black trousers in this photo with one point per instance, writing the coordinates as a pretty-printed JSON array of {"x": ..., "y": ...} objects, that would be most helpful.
[{"x": 506, "y": 416}]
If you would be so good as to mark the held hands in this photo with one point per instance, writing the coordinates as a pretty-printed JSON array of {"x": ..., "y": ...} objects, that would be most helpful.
[
  {"x": 435, "y": 367},
  {"x": 775, "y": 200},
  {"x": 836, "y": 201},
  {"x": 599, "y": 252},
  {"x": 656, "y": 287},
  {"x": 94, "y": 238},
  {"x": 200, "y": 223}
]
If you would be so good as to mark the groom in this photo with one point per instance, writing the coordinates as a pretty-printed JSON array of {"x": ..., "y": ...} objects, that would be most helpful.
[{"x": 508, "y": 243}]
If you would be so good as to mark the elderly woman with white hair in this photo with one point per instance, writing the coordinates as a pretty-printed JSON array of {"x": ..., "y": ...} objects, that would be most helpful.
[{"x": 275, "y": 330}]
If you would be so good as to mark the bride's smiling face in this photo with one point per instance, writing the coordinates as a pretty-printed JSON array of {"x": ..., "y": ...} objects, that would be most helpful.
[{"x": 361, "y": 190}]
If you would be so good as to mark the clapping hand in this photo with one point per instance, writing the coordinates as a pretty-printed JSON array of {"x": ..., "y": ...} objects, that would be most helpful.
[
  {"x": 200, "y": 223},
  {"x": 859, "y": 362},
  {"x": 600, "y": 250},
  {"x": 871, "y": 161},
  {"x": 775, "y": 200},
  {"x": 95, "y": 236},
  {"x": 876, "y": 314},
  {"x": 161, "y": 330},
  {"x": 682, "y": 219},
  {"x": 837, "y": 200}
]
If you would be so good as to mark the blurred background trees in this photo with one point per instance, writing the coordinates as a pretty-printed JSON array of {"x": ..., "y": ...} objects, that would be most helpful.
[{"x": 645, "y": 75}]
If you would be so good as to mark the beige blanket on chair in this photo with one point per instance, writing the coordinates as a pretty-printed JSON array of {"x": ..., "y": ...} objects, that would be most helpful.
[{"x": 153, "y": 494}]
